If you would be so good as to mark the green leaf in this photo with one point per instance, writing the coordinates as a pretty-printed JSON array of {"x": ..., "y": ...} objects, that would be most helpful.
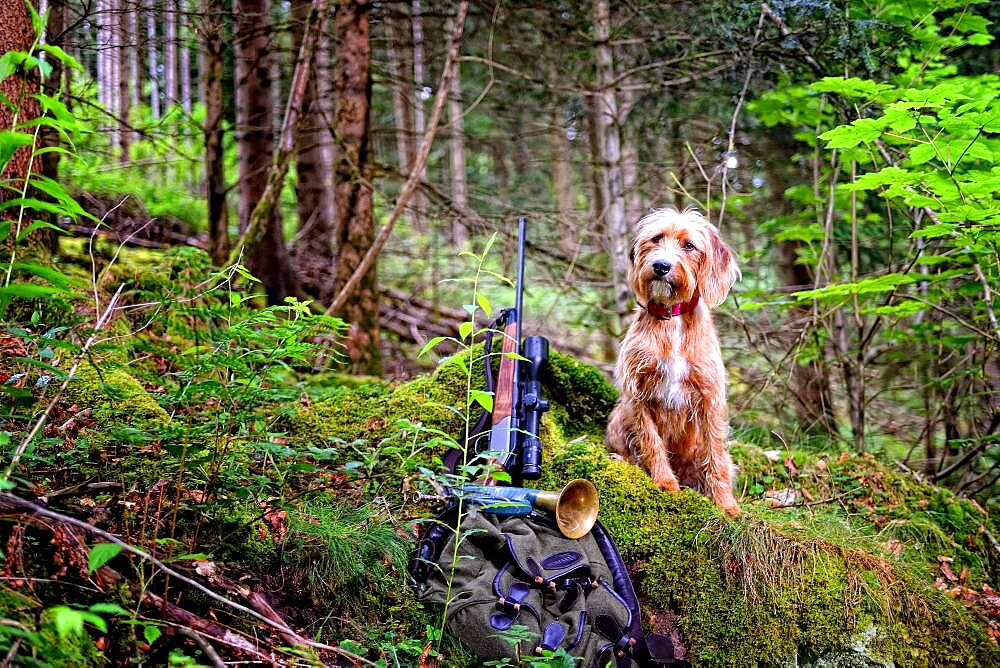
[
  {"x": 10, "y": 141},
  {"x": 61, "y": 56},
  {"x": 430, "y": 345},
  {"x": 849, "y": 136},
  {"x": 935, "y": 231},
  {"x": 484, "y": 304},
  {"x": 102, "y": 553},
  {"x": 465, "y": 329},
  {"x": 108, "y": 608},
  {"x": 27, "y": 291},
  {"x": 852, "y": 87},
  {"x": 151, "y": 633},
  {"x": 484, "y": 399},
  {"x": 68, "y": 622}
]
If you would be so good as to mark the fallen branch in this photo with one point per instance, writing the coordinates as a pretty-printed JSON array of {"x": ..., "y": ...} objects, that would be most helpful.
[
  {"x": 11, "y": 502},
  {"x": 444, "y": 86}
]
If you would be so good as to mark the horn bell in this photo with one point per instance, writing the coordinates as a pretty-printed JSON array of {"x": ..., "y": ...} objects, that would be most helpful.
[{"x": 575, "y": 507}]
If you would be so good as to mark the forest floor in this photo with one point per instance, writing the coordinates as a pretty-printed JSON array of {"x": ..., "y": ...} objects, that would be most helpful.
[{"x": 199, "y": 429}]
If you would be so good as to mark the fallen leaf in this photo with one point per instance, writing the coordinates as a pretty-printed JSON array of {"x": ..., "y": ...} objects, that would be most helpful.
[
  {"x": 790, "y": 465},
  {"x": 844, "y": 456},
  {"x": 781, "y": 498}
]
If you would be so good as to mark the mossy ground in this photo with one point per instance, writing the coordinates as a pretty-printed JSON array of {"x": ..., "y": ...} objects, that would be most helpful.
[{"x": 855, "y": 559}]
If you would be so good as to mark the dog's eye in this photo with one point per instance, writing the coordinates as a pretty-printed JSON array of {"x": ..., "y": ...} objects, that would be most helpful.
[
  {"x": 657, "y": 239},
  {"x": 688, "y": 246}
]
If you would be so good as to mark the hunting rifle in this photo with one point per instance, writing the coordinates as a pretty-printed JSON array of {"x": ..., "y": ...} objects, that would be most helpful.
[{"x": 518, "y": 404}]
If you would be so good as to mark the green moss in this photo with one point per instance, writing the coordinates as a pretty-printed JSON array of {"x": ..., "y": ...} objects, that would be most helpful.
[
  {"x": 116, "y": 398},
  {"x": 750, "y": 591},
  {"x": 582, "y": 392},
  {"x": 43, "y": 645}
]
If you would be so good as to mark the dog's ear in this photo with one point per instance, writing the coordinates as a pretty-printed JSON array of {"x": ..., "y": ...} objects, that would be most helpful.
[
  {"x": 719, "y": 271},
  {"x": 631, "y": 254}
]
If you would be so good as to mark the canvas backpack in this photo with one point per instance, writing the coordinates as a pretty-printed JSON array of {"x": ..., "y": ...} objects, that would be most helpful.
[{"x": 569, "y": 594}]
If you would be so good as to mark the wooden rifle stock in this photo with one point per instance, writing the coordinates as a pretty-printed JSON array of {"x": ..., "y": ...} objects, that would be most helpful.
[{"x": 503, "y": 431}]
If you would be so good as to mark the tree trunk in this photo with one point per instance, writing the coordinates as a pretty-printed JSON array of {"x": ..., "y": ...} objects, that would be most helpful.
[
  {"x": 268, "y": 258},
  {"x": 123, "y": 59},
  {"x": 562, "y": 183},
  {"x": 132, "y": 44},
  {"x": 419, "y": 202},
  {"x": 170, "y": 52},
  {"x": 154, "y": 75},
  {"x": 403, "y": 97},
  {"x": 17, "y": 34},
  {"x": 185, "y": 58},
  {"x": 355, "y": 225},
  {"x": 54, "y": 86},
  {"x": 606, "y": 110},
  {"x": 313, "y": 252},
  {"x": 215, "y": 181},
  {"x": 459, "y": 194}
]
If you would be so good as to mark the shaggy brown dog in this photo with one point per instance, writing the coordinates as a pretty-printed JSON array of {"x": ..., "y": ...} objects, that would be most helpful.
[{"x": 671, "y": 417}]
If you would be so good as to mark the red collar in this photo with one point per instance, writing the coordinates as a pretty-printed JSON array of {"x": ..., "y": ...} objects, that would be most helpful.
[{"x": 661, "y": 312}]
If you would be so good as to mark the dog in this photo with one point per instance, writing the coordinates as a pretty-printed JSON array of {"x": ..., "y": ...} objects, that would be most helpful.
[{"x": 671, "y": 416}]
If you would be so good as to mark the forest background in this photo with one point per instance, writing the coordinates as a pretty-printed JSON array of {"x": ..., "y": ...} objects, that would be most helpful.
[{"x": 336, "y": 157}]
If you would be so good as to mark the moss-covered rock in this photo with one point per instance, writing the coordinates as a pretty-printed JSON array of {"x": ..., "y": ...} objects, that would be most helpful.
[{"x": 115, "y": 397}]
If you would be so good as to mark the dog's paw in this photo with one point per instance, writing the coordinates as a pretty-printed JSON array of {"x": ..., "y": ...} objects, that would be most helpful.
[
  {"x": 732, "y": 511},
  {"x": 668, "y": 484}
]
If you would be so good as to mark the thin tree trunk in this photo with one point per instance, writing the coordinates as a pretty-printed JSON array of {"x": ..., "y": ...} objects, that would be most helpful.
[
  {"x": 417, "y": 26},
  {"x": 123, "y": 60},
  {"x": 53, "y": 35},
  {"x": 185, "y": 58},
  {"x": 132, "y": 45},
  {"x": 459, "y": 194},
  {"x": 153, "y": 61},
  {"x": 562, "y": 182},
  {"x": 355, "y": 230},
  {"x": 170, "y": 52},
  {"x": 313, "y": 251},
  {"x": 113, "y": 20},
  {"x": 215, "y": 181},
  {"x": 606, "y": 109},
  {"x": 401, "y": 62},
  {"x": 266, "y": 256}
]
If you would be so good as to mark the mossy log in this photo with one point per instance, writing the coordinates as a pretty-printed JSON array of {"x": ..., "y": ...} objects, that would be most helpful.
[{"x": 848, "y": 583}]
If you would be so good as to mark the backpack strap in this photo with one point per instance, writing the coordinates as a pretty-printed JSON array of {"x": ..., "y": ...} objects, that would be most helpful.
[{"x": 649, "y": 650}]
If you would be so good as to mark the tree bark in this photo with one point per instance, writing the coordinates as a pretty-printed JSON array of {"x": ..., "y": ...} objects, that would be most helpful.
[
  {"x": 215, "y": 182},
  {"x": 401, "y": 62},
  {"x": 562, "y": 183},
  {"x": 184, "y": 61},
  {"x": 17, "y": 34},
  {"x": 606, "y": 110},
  {"x": 54, "y": 86},
  {"x": 313, "y": 252},
  {"x": 170, "y": 52},
  {"x": 419, "y": 203},
  {"x": 153, "y": 61},
  {"x": 267, "y": 257},
  {"x": 459, "y": 191},
  {"x": 123, "y": 58},
  {"x": 355, "y": 230}
]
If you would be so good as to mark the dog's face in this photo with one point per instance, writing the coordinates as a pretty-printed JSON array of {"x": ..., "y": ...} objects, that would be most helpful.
[{"x": 676, "y": 255}]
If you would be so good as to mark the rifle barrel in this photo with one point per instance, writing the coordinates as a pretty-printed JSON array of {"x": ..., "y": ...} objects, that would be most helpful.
[{"x": 522, "y": 224}]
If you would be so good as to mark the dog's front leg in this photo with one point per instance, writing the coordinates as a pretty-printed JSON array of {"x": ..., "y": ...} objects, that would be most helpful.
[
  {"x": 720, "y": 469},
  {"x": 653, "y": 450}
]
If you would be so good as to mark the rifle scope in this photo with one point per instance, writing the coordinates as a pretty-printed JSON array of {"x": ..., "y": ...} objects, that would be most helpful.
[{"x": 536, "y": 349}]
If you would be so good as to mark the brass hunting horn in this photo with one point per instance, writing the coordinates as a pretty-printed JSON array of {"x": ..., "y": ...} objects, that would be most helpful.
[{"x": 575, "y": 505}]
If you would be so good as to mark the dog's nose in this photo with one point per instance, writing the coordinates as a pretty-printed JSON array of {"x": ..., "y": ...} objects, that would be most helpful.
[{"x": 661, "y": 267}]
